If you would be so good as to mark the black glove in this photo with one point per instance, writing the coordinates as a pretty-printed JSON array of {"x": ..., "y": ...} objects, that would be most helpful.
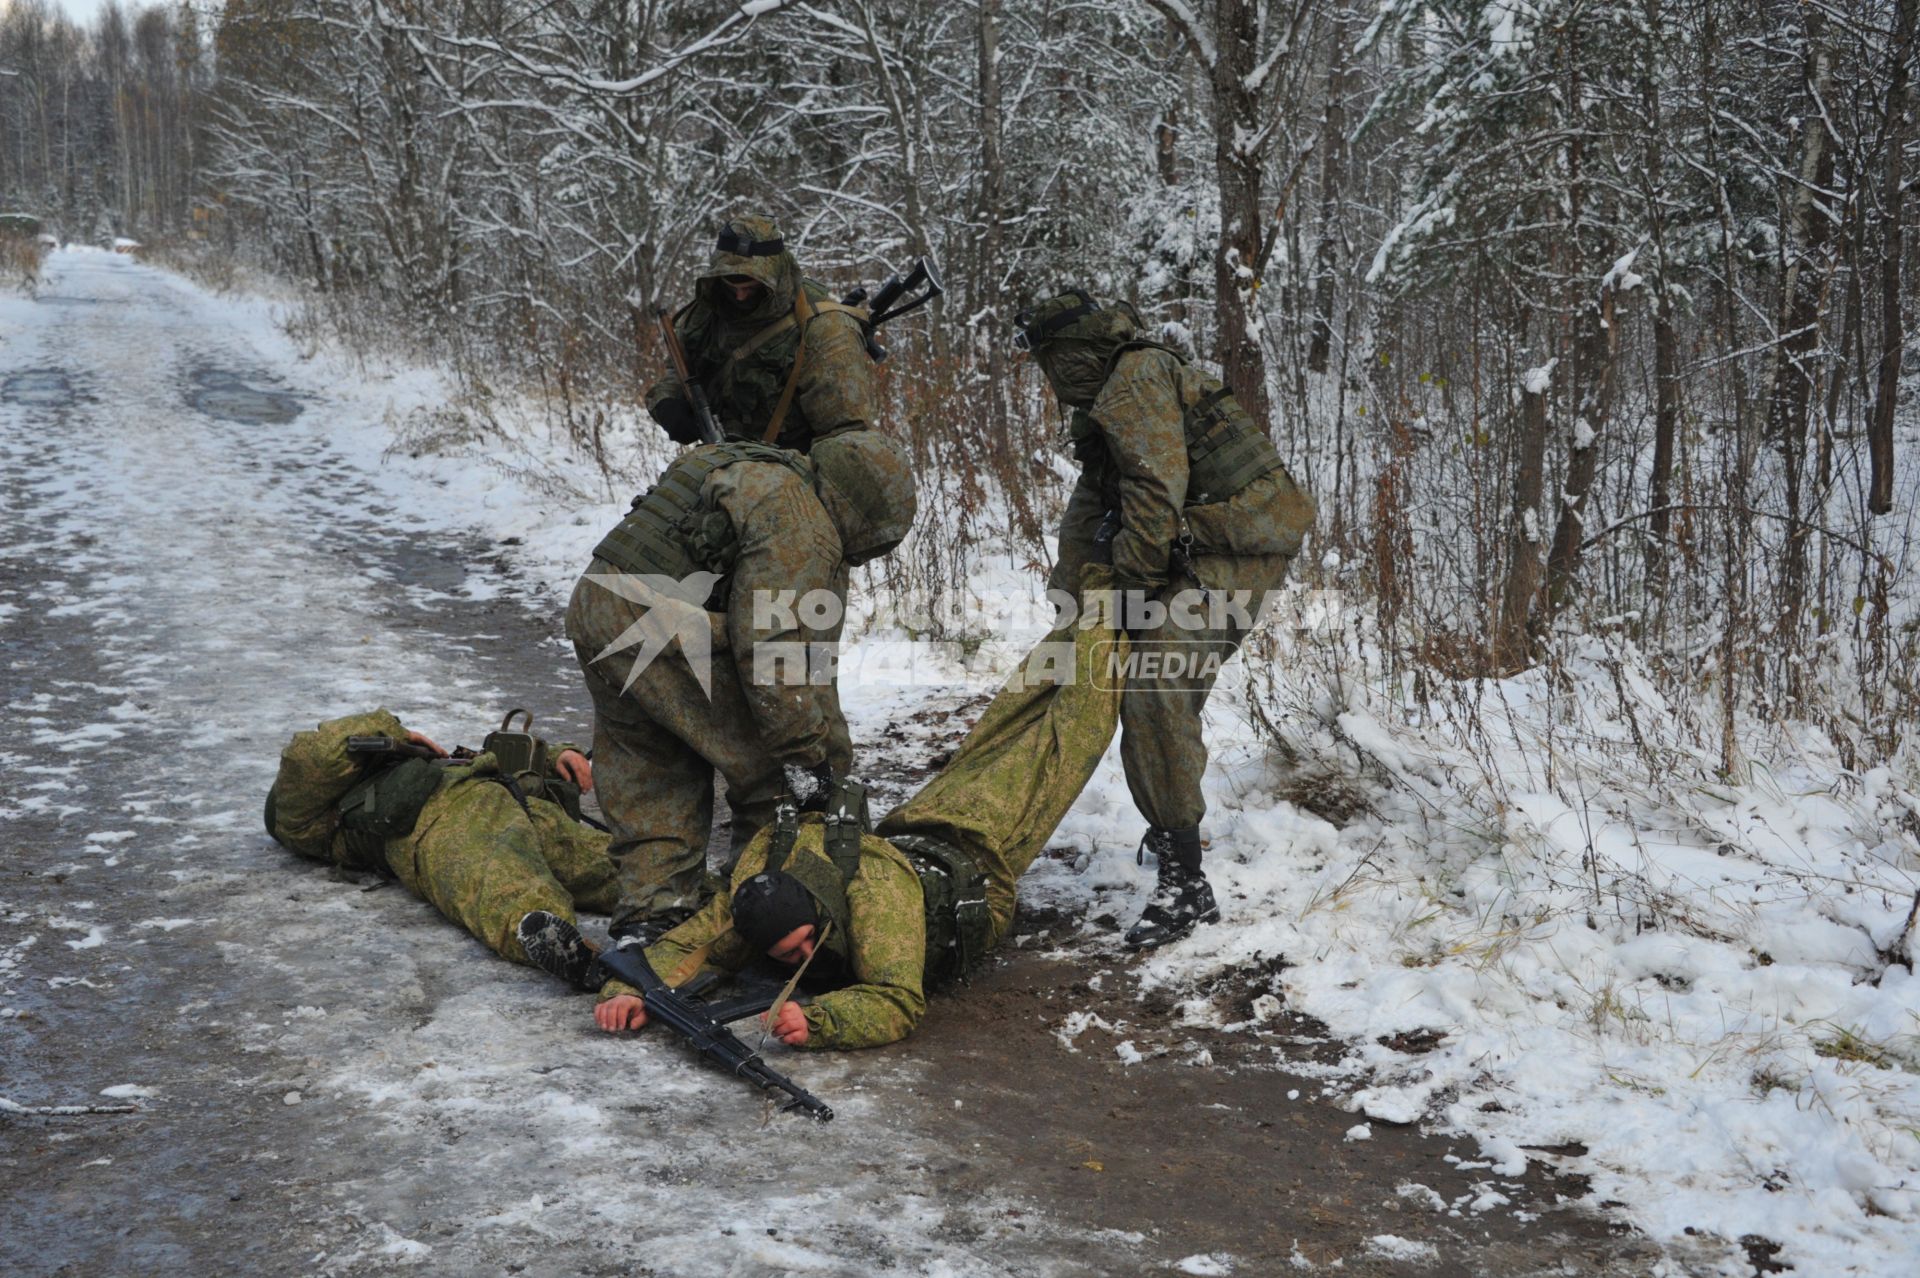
[
  {"x": 675, "y": 416},
  {"x": 811, "y": 788}
]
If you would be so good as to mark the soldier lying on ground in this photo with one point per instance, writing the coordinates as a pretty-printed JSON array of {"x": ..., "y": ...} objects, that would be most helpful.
[
  {"x": 482, "y": 844},
  {"x": 884, "y": 915}
]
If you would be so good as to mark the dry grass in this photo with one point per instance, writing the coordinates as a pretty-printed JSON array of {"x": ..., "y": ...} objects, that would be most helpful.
[{"x": 20, "y": 259}]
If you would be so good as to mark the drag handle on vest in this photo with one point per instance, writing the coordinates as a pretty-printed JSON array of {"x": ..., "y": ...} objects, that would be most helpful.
[
  {"x": 709, "y": 429},
  {"x": 887, "y": 305},
  {"x": 690, "y": 1019}
]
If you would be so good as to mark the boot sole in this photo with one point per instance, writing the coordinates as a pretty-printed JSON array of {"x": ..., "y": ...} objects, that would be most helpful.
[
  {"x": 549, "y": 948},
  {"x": 1154, "y": 943}
]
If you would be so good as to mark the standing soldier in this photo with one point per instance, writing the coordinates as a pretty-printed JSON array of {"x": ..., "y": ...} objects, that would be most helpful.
[
  {"x": 707, "y": 620},
  {"x": 779, "y": 361},
  {"x": 1184, "y": 494}
]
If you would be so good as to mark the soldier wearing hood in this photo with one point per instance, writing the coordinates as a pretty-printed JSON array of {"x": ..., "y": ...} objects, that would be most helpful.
[
  {"x": 780, "y": 361},
  {"x": 1185, "y": 496},
  {"x": 706, "y": 628},
  {"x": 485, "y": 839}
]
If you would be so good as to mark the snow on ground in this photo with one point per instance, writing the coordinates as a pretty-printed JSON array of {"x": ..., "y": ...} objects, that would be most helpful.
[
  {"x": 185, "y": 589},
  {"x": 1531, "y": 906},
  {"x": 1615, "y": 949}
]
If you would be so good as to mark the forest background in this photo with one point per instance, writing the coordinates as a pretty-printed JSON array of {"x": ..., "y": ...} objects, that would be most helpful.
[
  {"x": 1573, "y": 315},
  {"x": 1589, "y": 728}
]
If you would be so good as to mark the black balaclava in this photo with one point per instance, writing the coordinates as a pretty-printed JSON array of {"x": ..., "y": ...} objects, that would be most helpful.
[{"x": 768, "y": 906}]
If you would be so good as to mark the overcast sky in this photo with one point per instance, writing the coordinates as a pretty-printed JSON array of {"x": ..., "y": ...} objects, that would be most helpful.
[{"x": 80, "y": 11}]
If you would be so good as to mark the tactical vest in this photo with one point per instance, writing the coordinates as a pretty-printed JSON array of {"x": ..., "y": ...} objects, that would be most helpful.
[
  {"x": 753, "y": 386},
  {"x": 672, "y": 530},
  {"x": 1226, "y": 449},
  {"x": 953, "y": 889},
  {"x": 385, "y": 806}
]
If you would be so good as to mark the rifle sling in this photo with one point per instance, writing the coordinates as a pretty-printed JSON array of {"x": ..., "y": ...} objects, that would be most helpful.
[{"x": 805, "y": 311}]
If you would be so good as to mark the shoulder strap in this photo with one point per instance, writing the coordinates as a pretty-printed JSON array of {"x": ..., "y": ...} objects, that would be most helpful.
[
  {"x": 803, "y": 312},
  {"x": 761, "y": 338},
  {"x": 846, "y": 822},
  {"x": 786, "y": 828}
]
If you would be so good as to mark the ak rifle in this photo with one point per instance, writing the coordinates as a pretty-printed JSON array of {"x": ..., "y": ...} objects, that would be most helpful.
[
  {"x": 704, "y": 1025},
  {"x": 892, "y": 300}
]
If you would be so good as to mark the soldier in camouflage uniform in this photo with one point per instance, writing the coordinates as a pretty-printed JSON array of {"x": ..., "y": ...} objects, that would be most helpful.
[
  {"x": 779, "y": 360},
  {"x": 784, "y": 368},
  {"x": 741, "y": 543},
  {"x": 452, "y": 832},
  {"x": 1205, "y": 512},
  {"x": 925, "y": 896}
]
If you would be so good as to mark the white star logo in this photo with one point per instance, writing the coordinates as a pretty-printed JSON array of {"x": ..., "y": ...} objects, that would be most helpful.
[{"x": 675, "y": 610}]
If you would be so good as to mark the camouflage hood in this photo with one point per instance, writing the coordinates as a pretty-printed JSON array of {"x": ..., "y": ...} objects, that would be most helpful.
[
  {"x": 746, "y": 247},
  {"x": 866, "y": 483},
  {"x": 1073, "y": 336}
]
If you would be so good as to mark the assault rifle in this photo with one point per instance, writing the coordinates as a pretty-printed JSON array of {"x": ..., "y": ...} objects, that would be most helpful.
[
  {"x": 710, "y": 432},
  {"x": 887, "y": 303},
  {"x": 704, "y": 1025}
]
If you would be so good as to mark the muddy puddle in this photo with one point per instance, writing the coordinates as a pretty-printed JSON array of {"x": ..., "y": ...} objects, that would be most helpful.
[
  {"x": 232, "y": 397},
  {"x": 39, "y": 388}
]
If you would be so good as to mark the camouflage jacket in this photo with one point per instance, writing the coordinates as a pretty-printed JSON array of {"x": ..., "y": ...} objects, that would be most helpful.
[
  {"x": 743, "y": 362},
  {"x": 1137, "y": 425},
  {"x": 316, "y": 772},
  {"x": 881, "y": 961}
]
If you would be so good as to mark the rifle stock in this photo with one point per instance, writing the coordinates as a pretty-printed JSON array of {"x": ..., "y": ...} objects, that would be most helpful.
[{"x": 886, "y": 303}]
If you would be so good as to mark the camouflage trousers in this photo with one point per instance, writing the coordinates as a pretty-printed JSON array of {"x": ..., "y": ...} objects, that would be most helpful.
[
  {"x": 1169, "y": 671},
  {"x": 656, "y": 747},
  {"x": 478, "y": 858}
]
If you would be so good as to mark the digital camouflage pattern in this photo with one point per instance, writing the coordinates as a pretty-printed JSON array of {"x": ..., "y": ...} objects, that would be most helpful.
[
  {"x": 1010, "y": 783},
  {"x": 999, "y": 799},
  {"x": 743, "y": 357},
  {"x": 473, "y": 853},
  {"x": 658, "y": 743},
  {"x": 1131, "y": 438}
]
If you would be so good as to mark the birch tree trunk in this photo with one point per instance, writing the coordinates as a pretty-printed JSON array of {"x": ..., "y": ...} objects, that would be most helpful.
[{"x": 1892, "y": 324}]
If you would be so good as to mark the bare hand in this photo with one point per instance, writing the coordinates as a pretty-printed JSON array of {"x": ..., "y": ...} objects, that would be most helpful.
[
  {"x": 791, "y": 1028},
  {"x": 422, "y": 739},
  {"x": 575, "y": 767},
  {"x": 622, "y": 1012}
]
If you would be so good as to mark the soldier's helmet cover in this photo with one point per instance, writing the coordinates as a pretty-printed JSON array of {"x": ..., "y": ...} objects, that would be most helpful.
[
  {"x": 1073, "y": 335},
  {"x": 753, "y": 246},
  {"x": 770, "y": 905},
  {"x": 865, "y": 480}
]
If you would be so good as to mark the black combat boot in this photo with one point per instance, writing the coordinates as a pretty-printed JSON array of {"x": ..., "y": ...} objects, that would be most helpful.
[
  {"x": 556, "y": 947},
  {"x": 642, "y": 932},
  {"x": 1182, "y": 898}
]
